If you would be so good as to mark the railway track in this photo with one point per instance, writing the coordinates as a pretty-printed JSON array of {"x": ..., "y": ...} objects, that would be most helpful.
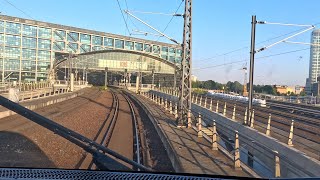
[
  {"x": 119, "y": 132},
  {"x": 304, "y": 123},
  {"x": 299, "y": 105},
  {"x": 305, "y": 128},
  {"x": 294, "y": 109}
]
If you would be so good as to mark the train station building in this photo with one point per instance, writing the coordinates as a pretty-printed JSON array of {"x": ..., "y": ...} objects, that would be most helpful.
[{"x": 29, "y": 50}]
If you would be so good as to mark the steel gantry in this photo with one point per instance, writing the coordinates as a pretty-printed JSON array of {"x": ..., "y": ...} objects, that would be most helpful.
[{"x": 185, "y": 87}]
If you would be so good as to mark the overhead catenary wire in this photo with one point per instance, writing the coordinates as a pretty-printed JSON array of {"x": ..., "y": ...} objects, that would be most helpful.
[
  {"x": 124, "y": 19},
  {"x": 261, "y": 57},
  {"x": 276, "y": 37},
  {"x": 171, "y": 19},
  {"x": 156, "y": 13},
  {"x": 11, "y": 4}
]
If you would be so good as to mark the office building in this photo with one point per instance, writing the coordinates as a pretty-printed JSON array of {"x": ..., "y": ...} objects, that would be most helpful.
[{"x": 314, "y": 65}]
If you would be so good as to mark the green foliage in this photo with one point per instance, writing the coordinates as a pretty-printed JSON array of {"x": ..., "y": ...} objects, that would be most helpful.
[
  {"x": 199, "y": 91},
  {"x": 303, "y": 93},
  {"x": 235, "y": 86},
  {"x": 265, "y": 89},
  {"x": 210, "y": 84}
]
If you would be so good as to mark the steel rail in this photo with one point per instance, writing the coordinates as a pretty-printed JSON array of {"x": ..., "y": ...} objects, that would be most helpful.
[
  {"x": 63, "y": 131},
  {"x": 136, "y": 134},
  {"x": 107, "y": 136}
]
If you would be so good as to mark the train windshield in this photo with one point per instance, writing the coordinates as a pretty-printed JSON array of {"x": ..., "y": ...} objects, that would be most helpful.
[{"x": 171, "y": 88}]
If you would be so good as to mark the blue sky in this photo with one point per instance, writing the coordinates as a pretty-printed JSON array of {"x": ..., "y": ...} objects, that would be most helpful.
[{"x": 218, "y": 27}]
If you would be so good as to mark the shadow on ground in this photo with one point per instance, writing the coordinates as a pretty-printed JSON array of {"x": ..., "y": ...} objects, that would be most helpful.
[{"x": 17, "y": 150}]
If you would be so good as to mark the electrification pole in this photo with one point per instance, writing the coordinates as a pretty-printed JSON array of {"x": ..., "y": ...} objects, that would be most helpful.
[
  {"x": 185, "y": 87},
  {"x": 252, "y": 53}
]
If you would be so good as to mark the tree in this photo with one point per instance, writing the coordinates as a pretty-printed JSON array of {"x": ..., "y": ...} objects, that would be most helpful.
[
  {"x": 210, "y": 84},
  {"x": 196, "y": 84},
  {"x": 237, "y": 87},
  {"x": 303, "y": 93}
]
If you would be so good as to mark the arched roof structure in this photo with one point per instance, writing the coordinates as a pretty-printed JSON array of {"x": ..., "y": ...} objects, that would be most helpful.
[{"x": 119, "y": 60}]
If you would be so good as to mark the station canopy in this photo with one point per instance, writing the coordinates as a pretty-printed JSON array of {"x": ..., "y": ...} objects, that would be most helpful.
[{"x": 118, "y": 60}]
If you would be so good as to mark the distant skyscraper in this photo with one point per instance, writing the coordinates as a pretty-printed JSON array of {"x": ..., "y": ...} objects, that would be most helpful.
[{"x": 314, "y": 66}]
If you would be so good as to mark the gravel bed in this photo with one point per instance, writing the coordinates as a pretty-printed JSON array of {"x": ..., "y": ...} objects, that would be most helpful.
[{"x": 84, "y": 114}]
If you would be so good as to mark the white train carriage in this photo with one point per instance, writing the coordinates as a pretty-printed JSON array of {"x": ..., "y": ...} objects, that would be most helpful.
[{"x": 260, "y": 102}]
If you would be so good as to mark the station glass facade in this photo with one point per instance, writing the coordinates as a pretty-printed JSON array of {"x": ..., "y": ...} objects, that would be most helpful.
[{"x": 28, "y": 47}]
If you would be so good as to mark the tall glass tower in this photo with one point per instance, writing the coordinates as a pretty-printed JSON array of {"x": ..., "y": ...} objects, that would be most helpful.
[{"x": 314, "y": 66}]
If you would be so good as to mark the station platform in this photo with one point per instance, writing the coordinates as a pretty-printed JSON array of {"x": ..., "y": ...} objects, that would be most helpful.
[{"x": 188, "y": 153}]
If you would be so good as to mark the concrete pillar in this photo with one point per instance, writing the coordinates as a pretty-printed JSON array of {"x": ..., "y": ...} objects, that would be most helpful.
[
  {"x": 106, "y": 77},
  {"x": 199, "y": 126},
  {"x": 189, "y": 118},
  {"x": 71, "y": 82},
  {"x": 268, "y": 126},
  {"x": 170, "y": 108},
  {"x": 137, "y": 83},
  {"x": 277, "y": 172},
  {"x": 236, "y": 151},
  {"x": 200, "y": 100},
  {"x": 252, "y": 119},
  {"x": 166, "y": 104},
  {"x": 161, "y": 101},
  {"x": 217, "y": 107},
  {"x": 205, "y": 102},
  {"x": 211, "y": 105},
  {"x": 176, "y": 111},
  {"x": 245, "y": 116},
  {"x": 225, "y": 109},
  {"x": 234, "y": 112},
  {"x": 214, "y": 137},
  {"x": 291, "y": 134}
]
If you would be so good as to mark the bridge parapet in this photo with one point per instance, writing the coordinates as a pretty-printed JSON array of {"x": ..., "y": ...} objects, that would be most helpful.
[{"x": 265, "y": 155}]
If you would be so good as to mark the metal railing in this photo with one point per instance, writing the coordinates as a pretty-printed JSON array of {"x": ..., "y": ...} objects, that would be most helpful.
[{"x": 266, "y": 164}]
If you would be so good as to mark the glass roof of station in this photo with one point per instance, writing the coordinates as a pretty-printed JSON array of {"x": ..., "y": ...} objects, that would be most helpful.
[{"x": 117, "y": 60}]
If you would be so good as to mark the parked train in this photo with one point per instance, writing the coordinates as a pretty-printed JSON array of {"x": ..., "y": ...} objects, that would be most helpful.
[{"x": 259, "y": 102}]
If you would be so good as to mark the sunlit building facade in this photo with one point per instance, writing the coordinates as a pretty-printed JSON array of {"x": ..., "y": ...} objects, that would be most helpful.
[
  {"x": 314, "y": 66},
  {"x": 28, "y": 47}
]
